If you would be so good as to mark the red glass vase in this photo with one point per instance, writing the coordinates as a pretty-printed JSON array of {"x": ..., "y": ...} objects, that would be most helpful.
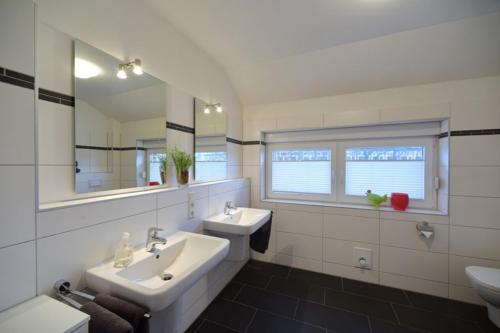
[{"x": 400, "y": 201}]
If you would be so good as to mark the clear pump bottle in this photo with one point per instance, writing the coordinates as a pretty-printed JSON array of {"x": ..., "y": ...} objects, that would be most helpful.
[{"x": 124, "y": 253}]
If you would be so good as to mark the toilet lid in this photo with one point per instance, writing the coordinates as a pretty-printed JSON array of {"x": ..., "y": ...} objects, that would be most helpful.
[{"x": 486, "y": 276}]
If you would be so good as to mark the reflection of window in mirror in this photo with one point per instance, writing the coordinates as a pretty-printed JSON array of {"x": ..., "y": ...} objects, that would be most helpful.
[
  {"x": 210, "y": 165},
  {"x": 210, "y": 142},
  {"x": 156, "y": 158}
]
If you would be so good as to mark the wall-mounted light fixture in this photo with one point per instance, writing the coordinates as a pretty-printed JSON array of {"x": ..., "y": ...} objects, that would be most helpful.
[
  {"x": 212, "y": 107},
  {"x": 135, "y": 66}
]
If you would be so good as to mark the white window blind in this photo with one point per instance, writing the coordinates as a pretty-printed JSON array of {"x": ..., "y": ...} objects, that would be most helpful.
[
  {"x": 385, "y": 170},
  {"x": 302, "y": 171},
  {"x": 210, "y": 165}
]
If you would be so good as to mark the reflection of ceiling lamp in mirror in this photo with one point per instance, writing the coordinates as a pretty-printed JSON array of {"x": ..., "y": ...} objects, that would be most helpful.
[
  {"x": 135, "y": 65},
  {"x": 210, "y": 107},
  {"x": 85, "y": 69}
]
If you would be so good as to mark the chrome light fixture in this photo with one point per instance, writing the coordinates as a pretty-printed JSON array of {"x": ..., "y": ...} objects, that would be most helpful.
[
  {"x": 211, "y": 107},
  {"x": 135, "y": 65}
]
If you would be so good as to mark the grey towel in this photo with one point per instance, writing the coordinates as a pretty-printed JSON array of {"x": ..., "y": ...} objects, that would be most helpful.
[
  {"x": 259, "y": 240},
  {"x": 105, "y": 321},
  {"x": 131, "y": 312}
]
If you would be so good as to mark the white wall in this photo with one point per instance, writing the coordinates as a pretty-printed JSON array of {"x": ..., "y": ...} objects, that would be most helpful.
[
  {"x": 322, "y": 238},
  {"x": 61, "y": 241}
]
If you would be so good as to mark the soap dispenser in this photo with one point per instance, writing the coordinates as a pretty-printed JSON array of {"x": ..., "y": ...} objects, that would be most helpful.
[{"x": 124, "y": 253}]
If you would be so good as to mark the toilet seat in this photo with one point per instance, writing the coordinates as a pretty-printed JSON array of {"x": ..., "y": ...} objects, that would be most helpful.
[{"x": 485, "y": 276}]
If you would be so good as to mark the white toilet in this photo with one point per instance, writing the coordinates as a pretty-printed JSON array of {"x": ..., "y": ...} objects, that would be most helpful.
[{"x": 486, "y": 282}]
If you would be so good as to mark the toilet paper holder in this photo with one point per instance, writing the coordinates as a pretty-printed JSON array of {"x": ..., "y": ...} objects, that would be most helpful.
[{"x": 425, "y": 229}]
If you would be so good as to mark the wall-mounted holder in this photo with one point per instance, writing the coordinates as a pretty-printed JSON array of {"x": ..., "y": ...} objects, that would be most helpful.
[{"x": 425, "y": 229}]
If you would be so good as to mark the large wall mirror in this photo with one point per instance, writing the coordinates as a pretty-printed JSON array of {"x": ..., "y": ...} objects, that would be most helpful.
[
  {"x": 210, "y": 141},
  {"x": 120, "y": 116}
]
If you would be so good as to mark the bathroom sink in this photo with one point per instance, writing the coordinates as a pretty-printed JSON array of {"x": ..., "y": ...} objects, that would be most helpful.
[
  {"x": 241, "y": 221},
  {"x": 156, "y": 280}
]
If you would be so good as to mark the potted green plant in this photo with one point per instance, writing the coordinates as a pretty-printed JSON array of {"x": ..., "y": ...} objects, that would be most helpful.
[
  {"x": 163, "y": 169},
  {"x": 182, "y": 162}
]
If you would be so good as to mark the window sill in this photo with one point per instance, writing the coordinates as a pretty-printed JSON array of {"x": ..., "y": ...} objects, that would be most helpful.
[{"x": 354, "y": 206}]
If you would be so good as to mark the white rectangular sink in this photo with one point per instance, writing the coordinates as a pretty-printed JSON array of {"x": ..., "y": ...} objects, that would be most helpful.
[
  {"x": 241, "y": 221},
  {"x": 156, "y": 280}
]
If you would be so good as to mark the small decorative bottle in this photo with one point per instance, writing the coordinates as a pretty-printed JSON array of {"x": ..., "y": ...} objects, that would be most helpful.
[{"x": 124, "y": 253}]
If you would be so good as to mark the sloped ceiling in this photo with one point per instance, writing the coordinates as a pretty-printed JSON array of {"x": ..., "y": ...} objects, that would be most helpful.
[{"x": 277, "y": 50}]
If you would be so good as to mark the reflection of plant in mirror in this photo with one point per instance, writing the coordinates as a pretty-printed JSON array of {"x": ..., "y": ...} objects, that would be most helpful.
[
  {"x": 182, "y": 162},
  {"x": 163, "y": 168}
]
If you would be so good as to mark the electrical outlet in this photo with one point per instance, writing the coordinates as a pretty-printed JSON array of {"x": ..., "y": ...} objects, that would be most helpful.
[
  {"x": 190, "y": 205},
  {"x": 362, "y": 257}
]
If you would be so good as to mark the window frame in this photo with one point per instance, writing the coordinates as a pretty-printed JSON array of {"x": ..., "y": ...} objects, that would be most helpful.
[
  {"x": 428, "y": 142},
  {"x": 338, "y": 147},
  {"x": 300, "y": 196}
]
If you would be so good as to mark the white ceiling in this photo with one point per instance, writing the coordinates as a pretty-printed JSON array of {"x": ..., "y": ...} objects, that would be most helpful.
[{"x": 275, "y": 50}]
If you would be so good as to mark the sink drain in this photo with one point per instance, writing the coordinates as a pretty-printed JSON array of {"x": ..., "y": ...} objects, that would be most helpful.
[{"x": 166, "y": 276}]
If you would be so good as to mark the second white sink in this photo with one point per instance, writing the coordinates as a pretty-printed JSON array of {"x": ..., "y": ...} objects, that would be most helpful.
[{"x": 241, "y": 221}]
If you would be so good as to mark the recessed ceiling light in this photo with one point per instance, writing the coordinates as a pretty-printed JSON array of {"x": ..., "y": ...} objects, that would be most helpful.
[{"x": 85, "y": 69}]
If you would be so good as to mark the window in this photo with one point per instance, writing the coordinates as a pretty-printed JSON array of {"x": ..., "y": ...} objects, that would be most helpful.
[
  {"x": 155, "y": 158},
  {"x": 301, "y": 171},
  {"x": 341, "y": 168},
  {"x": 210, "y": 165}
]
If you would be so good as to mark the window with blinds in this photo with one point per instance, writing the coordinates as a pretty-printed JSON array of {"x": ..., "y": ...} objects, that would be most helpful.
[
  {"x": 385, "y": 170},
  {"x": 302, "y": 171},
  {"x": 340, "y": 165}
]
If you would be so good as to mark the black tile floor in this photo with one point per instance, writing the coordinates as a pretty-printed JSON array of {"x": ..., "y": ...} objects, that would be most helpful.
[{"x": 265, "y": 297}]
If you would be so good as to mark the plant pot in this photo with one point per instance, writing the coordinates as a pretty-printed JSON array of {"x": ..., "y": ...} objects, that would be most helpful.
[
  {"x": 162, "y": 176},
  {"x": 400, "y": 201},
  {"x": 182, "y": 177}
]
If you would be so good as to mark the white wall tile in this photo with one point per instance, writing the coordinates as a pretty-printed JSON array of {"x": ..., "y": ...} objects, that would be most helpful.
[
  {"x": 405, "y": 216},
  {"x": 228, "y": 186},
  {"x": 69, "y": 255},
  {"x": 55, "y": 134},
  {"x": 301, "y": 121},
  {"x": 240, "y": 197},
  {"x": 17, "y": 26},
  {"x": 465, "y": 294},
  {"x": 252, "y": 128},
  {"x": 299, "y": 245},
  {"x": 251, "y": 155},
  {"x": 416, "y": 112},
  {"x": 17, "y": 124},
  {"x": 177, "y": 196},
  {"x": 297, "y": 262},
  {"x": 55, "y": 183},
  {"x": 404, "y": 234},
  {"x": 476, "y": 150},
  {"x": 418, "y": 264},
  {"x": 341, "y": 252},
  {"x": 475, "y": 242},
  {"x": 470, "y": 114},
  {"x": 351, "y": 228},
  {"x": 60, "y": 220},
  {"x": 458, "y": 264},
  {"x": 352, "y": 117},
  {"x": 475, "y": 181},
  {"x": 475, "y": 212},
  {"x": 366, "y": 275},
  {"x": 368, "y": 213},
  {"x": 299, "y": 208},
  {"x": 234, "y": 171},
  {"x": 18, "y": 278},
  {"x": 300, "y": 222},
  {"x": 17, "y": 204},
  {"x": 414, "y": 284},
  {"x": 56, "y": 55},
  {"x": 234, "y": 154}
]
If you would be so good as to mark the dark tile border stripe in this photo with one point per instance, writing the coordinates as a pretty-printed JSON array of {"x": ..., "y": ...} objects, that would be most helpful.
[
  {"x": 19, "y": 76},
  {"x": 55, "y": 97},
  {"x": 179, "y": 127},
  {"x": 16, "y": 78},
  {"x": 494, "y": 131},
  {"x": 109, "y": 148},
  {"x": 238, "y": 142},
  {"x": 443, "y": 135}
]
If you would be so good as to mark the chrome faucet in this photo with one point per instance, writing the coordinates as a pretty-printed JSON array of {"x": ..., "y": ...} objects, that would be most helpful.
[
  {"x": 229, "y": 207},
  {"x": 154, "y": 239}
]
